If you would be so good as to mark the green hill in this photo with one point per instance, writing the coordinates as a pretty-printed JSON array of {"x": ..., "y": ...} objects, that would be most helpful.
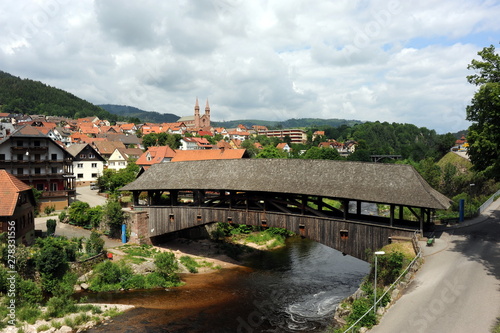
[
  {"x": 462, "y": 164},
  {"x": 290, "y": 123},
  {"x": 144, "y": 116},
  {"x": 33, "y": 97}
]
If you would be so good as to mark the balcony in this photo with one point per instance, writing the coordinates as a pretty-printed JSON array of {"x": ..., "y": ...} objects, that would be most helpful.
[
  {"x": 52, "y": 194},
  {"x": 24, "y": 149}
]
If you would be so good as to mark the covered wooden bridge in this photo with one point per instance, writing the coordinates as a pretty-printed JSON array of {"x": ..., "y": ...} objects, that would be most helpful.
[{"x": 299, "y": 195}]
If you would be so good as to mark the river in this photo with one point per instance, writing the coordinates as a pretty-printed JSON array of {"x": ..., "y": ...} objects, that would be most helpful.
[{"x": 292, "y": 289}]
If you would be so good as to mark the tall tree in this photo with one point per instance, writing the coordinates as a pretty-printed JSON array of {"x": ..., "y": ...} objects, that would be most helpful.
[{"x": 484, "y": 113}]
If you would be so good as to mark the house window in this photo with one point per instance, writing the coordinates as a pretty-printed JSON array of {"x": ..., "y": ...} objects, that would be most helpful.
[
  {"x": 94, "y": 175},
  {"x": 39, "y": 187},
  {"x": 94, "y": 165},
  {"x": 53, "y": 187},
  {"x": 20, "y": 143},
  {"x": 20, "y": 171},
  {"x": 121, "y": 163},
  {"x": 37, "y": 157},
  {"x": 112, "y": 163},
  {"x": 53, "y": 170},
  {"x": 2, "y": 157},
  {"x": 54, "y": 157},
  {"x": 37, "y": 171},
  {"x": 36, "y": 143},
  {"x": 79, "y": 176},
  {"x": 91, "y": 156},
  {"x": 79, "y": 165},
  {"x": 20, "y": 157},
  {"x": 83, "y": 156}
]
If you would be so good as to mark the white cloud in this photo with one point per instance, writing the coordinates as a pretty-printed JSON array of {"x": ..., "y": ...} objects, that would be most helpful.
[{"x": 367, "y": 60}]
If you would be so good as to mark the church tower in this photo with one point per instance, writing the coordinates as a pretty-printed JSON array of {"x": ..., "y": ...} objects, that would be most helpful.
[
  {"x": 197, "y": 114},
  {"x": 206, "y": 117}
]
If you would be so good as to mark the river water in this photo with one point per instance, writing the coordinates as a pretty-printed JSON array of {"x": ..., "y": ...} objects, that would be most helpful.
[{"x": 292, "y": 289}]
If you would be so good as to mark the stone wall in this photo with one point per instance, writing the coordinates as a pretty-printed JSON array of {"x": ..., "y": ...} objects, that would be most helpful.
[{"x": 137, "y": 223}]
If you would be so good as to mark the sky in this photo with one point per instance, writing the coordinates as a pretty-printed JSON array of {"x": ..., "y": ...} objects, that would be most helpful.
[{"x": 392, "y": 60}]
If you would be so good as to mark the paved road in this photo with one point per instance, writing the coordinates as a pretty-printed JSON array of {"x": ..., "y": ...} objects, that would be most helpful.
[
  {"x": 84, "y": 193},
  {"x": 93, "y": 199},
  {"x": 457, "y": 288}
]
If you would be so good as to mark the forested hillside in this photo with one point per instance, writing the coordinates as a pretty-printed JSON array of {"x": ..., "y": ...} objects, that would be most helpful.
[
  {"x": 386, "y": 138},
  {"x": 144, "y": 116},
  {"x": 290, "y": 123},
  {"x": 32, "y": 97}
]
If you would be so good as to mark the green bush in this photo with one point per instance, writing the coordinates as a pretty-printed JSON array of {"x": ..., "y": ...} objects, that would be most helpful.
[
  {"x": 136, "y": 281},
  {"x": 28, "y": 292},
  {"x": 166, "y": 264},
  {"x": 29, "y": 314},
  {"x": 359, "y": 308},
  {"x": 279, "y": 231},
  {"x": 43, "y": 328},
  {"x": 241, "y": 229},
  {"x": 191, "y": 264},
  {"x": 49, "y": 209},
  {"x": 51, "y": 227},
  {"x": 58, "y": 307},
  {"x": 56, "y": 324},
  {"x": 95, "y": 244},
  {"x": 108, "y": 276},
  {"x": 78, "y": 213},
  {"x": 62, "y": 216}
]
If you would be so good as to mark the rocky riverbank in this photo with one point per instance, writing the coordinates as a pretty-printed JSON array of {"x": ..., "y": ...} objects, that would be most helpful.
[{"x": 101, "y": 314}]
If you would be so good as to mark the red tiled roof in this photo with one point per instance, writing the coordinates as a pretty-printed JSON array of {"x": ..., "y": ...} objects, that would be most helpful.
[
  {"x": 10, "y": 187},
  {"x": 127, "y": 127},
  {"x": 108, "y": 147},
  {"x": 157, "y": 155},
  {"x": 208, "y": 154},
  {"x": 281, "y": 145}
]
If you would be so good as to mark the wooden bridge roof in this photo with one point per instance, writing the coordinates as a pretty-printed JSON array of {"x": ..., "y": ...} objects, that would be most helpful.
[{"x": 370, "y": 182}]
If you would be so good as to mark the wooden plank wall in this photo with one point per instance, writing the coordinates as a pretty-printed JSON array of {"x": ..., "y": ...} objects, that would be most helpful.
[{"x": 361, "y": 237}]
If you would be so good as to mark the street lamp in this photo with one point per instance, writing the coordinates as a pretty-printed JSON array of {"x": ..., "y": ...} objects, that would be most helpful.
[{"x": 378, "y": 253}]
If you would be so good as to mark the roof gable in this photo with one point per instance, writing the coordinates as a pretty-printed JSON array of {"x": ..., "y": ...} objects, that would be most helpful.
[{"x": 10, "y": 187}]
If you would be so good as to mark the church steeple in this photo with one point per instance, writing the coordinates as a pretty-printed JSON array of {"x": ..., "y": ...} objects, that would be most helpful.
[
  {"x": 207, "y": 108},
  {"x": 197, "y": 114}
]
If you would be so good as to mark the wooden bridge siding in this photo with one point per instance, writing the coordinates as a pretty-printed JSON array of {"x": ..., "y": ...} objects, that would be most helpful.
[{"x": 361, "y": 236}]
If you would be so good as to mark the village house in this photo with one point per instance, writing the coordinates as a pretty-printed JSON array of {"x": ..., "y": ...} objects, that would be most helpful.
[
  {"x": 88, "y": 164},
  {"x": 40, "y": 162},
  {"x": 106, "y": 148},
  {"x": 120, "y": 157},
  {"x": 17, "y": 208},
  {"x": 155, "y": 155},
  {"x": 284, "y": 147},
  {"x": 190, "y": 143}
]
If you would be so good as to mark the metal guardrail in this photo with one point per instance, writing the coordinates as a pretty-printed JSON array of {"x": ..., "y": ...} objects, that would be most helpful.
[
  {"x": 419, "y": 254},
  {"x": 488, "y": 202}
]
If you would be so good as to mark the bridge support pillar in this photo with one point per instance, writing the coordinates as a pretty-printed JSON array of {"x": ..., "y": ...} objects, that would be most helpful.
[
  {"x": 345, "y": 203},
  {"x": 391, "y": 220}
]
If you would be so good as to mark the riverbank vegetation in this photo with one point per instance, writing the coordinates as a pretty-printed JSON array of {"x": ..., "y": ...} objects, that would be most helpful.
[
  {"x": 44, "y": 276},
  {"x": 231, "y": 236},
  {"x": 389, "y": 267}
]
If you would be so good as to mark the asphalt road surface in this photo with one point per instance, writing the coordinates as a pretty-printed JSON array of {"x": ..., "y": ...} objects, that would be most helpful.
[
  {"x": 84, "y": 194},
  {"x": 457, "y": 288}
]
